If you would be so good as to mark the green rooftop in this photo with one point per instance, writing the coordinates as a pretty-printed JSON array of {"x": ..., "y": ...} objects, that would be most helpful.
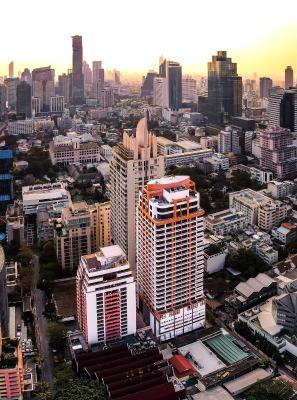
[{"x": 224, "y": 347}]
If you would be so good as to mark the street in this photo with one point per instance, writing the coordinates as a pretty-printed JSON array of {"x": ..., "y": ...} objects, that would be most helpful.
[{"x": 38, "y": 297}]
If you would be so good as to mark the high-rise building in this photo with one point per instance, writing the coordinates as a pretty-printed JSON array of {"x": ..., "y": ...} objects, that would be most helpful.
[
  {"x": 105, "y": 96},
  {"x": 117, "y": 77},
  {"x": 6, "y": 179},
  {"x": 170, "y": 261},
  {"x": 24, "y": 99},
  {"x": 11, "y": 70},
  {"x": 77, "y": 74},
  {"x": 87, "y": 72},
  {"x": 265, "y": 86},
  {"x": 289, "y": 77},
  {"x": 98, "y": 78},
  {"x": 133, "y": 164},
  {"x": 224, "y": 89},
  {"x": 11, "y": 86},
  {"x": 57, "y": 104},
  {"x": 64, "y": 86},
  {"x": 278, "y": 153},
  {"x": 172, "y": 72},
  {"x": 159, "y": 92},
  {"x": 229, "y": 141},
  {"x": 72, "y": 236},
  {"x": 106, "y": 296},
  {"x": 189, "y": 89},
  {"x": 26, "y": 76},
  {"x": 4, "y": 312},
  {"x": 101, "y": 232},
  {"x": 3, "y": 100},
  {"x": 43, "y": 86},
  {"x": 282, "y": 109},
  {"x": 147, "y": 87}
]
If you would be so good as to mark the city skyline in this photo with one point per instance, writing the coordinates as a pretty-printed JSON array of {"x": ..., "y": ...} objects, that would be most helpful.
[{"x": 126, "y": 37}]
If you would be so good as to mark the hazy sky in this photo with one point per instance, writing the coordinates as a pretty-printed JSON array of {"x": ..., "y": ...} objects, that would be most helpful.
[{"x": 260, "y": 35}]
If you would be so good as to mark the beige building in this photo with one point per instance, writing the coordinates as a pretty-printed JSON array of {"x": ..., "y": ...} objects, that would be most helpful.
[
  {"x": 134, "y": 163},
  {"x": 100, "y": 220},
  {"x": 81, "y": 230}
]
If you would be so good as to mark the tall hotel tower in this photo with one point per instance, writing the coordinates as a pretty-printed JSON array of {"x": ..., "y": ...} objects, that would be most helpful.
[
  {"x": 133, "y": 164},
  {"x": 77, "y": 73},
  {"x": 170, "y": 256}
]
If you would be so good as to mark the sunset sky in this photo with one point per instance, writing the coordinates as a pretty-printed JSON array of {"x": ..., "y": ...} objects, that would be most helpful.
[{"x": 130, "y": 35}]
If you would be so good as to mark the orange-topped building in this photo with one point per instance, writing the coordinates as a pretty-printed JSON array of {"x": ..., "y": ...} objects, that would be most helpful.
[{"x": 170, "y": 261}]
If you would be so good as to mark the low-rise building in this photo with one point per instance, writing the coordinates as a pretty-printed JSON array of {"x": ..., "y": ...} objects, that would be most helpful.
[
  {"x": 15, "y": 224},
  {"x": 106, "y": 296},
  {"x": 106, "y": 152},
  {"x": 284, "y": 311},
  {"x": 188, "y": 158},
  {"x": 217, "y": 162},
  {"x": 11, "y": 370},
  {"x": 44, "y": 195},
  {"x": 225, "y": 222},
  {"x": 21, "y": 127},
  {"x": 286, "y": 233},
  {"x": 280, "y": 190}
]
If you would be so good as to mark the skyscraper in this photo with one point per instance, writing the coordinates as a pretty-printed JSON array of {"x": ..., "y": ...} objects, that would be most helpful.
[
  {"x": 77, "y": 74},
  {"x": 106, "y": 296},
  {"x": 26, "y": 75},
  {"x": 282, "y": 109},
  {"x": 43, "y": 86},
  {"x": 3, "y": 99},
  {"x": 170, "y": 261},
  {"x": 147, "y": 87},
  {"x": 172, "y": 71},
  {"x": 189, "y": 89},
  {"x": 24, "y": 99},
  {"x": 224, "y": 89},
  {"x": 11, "y": 85},
  {"x": 265, "y": 86},
  {"x": 6, "y": 179},
  {"x": 289, "y": 80},
  {"x": 133, "y": 164},
  {"x": 98, "y": 78},
  {"x": 11, "y": 70}
]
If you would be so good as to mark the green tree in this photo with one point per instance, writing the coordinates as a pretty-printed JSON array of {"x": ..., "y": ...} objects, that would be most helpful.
[
  {"x": 56, "y": 335},
  {"x": 43, "y": 391},
  {"x": 25, "y": 255},
  {"x": 272, "y": 389},
  {"x": 248, "y": 263}
]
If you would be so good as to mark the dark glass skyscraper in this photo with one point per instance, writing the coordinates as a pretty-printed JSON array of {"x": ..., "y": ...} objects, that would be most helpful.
[
  {"x": 172, "y": 71},
  {"x": 224, "y": 89},
  {"x": 24, "y": 95},
  {"x": 77, "y": 74},
  {"x": 288, "y": 110},
  {"x": 265, "y": 86},
  {"x": 6, "y": 179}
]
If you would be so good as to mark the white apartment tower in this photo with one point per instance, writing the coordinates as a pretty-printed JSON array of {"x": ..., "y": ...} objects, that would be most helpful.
[
  {"x": 170, "y": 256},
  {"x": 106, "y": 296},
  {"x": 133, "y": 164}
]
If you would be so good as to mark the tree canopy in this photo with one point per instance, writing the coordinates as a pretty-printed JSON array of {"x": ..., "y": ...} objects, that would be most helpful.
[
  {"x": 271, "y": 389},
  {"x": 248, "y": 263},
  {"x": 55, "y": 333}
]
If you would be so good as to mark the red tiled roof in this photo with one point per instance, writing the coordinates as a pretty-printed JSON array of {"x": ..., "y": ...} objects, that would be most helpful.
[{"x": 181, "y": 366}]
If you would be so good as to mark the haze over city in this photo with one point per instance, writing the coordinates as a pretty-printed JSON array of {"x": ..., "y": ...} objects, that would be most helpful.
[{"x": 131, "y": 35}]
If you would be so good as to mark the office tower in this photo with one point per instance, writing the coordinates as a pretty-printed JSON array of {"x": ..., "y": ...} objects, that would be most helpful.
[
  {"x": 160, "y": 92},
  {"x": 282, "y": 109},
  {"x": 24, "y": 99},
  {"x": 11, "y": 369},
  {"x": 224, "y": 89},
  {"x": 3, "y": 99},
  {"x": 117, "y": 77},
  {"x": 87, "y": 72},
  {"x": 170, "y": 261},
  {"x": 64, "y": 83},
  {"x": 278, "y": 153},
  {"x": 98, "y": 72},
  {"x": 4, "y": 312},
  {"x": 35, "y": 106},
  {"x": 133, "y": 164},
  {"x": 57, "y": 104},
  {"x": 265, "y": 87},
  {"x": 6, "y": 179},
  {"x": 77, "y": 74},
  {"x": 289, "y": 80},
  {"x": 105, "y": 96},
  {"x": 11, "y": 86},
  {"x": 43, "y": 86},
  {"x": 26, "y": 76},
  {"x": 147, "y": 87},
  {"x": 11, "y": 70},
  {"x": 106, "y": 296},
  {"x": 162, "y": 67},
  {"x": 172, "y": 72},
  {"x": 189, "y": 89}
]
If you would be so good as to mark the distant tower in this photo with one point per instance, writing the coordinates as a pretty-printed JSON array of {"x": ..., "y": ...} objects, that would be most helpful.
[
  {"x": 24, "y": 95},
  {"x": 265, "y": 86},
  {"x": 77, "y": 74},
  {"x": 224, "y": 89},
  {"x": 11, "y": 70},
  {"x": 289, "y": 77}
]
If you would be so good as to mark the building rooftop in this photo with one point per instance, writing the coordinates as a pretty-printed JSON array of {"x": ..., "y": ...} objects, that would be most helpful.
[
  {"x": 246, "y": 381},
  {"x": 107, "y": 257},
  {"x": 216, "y": 393}
]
